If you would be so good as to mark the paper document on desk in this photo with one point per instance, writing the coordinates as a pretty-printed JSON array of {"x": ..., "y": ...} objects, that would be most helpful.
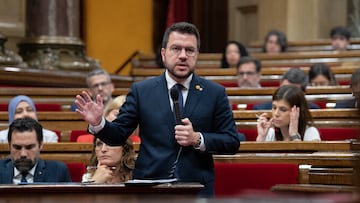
[{"x": 150, "y": 182}]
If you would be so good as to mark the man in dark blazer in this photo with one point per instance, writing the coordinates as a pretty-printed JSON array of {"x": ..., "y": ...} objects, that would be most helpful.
[
  {"x": 355, "y": 88},
  {"x": 24, "y": 165},
  {"x": 183, "y": 151}
]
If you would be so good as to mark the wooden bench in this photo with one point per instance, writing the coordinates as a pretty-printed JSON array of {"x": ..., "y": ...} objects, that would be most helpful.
[
  {"x": 245, "y": 119},
  {"x": 330, "y": 162},
  {"x": 287, "y": 59},
  {"x": 49, "y": 95},
  {"x": 308, "y": 45},
  {"x": 270, "y": 76},
  {"x": 13, "y": 76}
]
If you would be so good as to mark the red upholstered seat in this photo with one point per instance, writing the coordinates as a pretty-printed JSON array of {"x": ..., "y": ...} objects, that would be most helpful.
[
  {"x": 235, "y": 178},
  {"x": 250, "y": 134},
  {"x": 76, "y": 170},
  {"x": 229, "y": 84},
  {"x": 270, "y": 83},
  {"x": 332, "y": 134},
  {"x": 58, "y": 133},
  {"x": 76, "y": 133}
]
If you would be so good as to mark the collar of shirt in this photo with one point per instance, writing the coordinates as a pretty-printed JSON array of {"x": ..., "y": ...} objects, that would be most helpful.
[
  {"x": 171, "y": 82},
  {"x": 29, "y": 177}
]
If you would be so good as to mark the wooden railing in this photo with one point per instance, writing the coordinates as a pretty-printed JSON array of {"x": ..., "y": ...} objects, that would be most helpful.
[{"x": 287, "y": 59}]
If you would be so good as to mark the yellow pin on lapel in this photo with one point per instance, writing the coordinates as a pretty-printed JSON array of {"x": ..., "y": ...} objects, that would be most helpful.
[{"x": 199, "y": 88}]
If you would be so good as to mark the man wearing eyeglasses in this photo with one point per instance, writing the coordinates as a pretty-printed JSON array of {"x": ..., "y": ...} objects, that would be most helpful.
[
  {"x": 99, "y": 83},
  {"x": 170, "y": 150},
  {"x": 249, "y": 72},
  {"x": 24, "y": 164}
]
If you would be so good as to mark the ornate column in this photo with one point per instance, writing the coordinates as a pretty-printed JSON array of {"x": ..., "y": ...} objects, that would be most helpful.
[
  {"x": 52, "y": 36},
  {"x": 7, "y": 57}
]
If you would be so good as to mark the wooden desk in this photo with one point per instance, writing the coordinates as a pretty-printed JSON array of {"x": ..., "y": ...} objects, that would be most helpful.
[
  {"x": 338, "y": 159},
  {"x": 313, "y": 188},
  {"x": 80, "y": 152},
  {"x": 96, "y": 193}
]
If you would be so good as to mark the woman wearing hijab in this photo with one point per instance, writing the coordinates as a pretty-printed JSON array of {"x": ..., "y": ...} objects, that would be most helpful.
[{"x": 20, "y": 107}]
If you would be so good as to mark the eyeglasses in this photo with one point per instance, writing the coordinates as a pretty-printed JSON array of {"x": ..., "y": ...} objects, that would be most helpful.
[
  {"x": 102, "y": 84},
  {"x": 189, "y": 51},
  {"x": 249, "y": 73}
]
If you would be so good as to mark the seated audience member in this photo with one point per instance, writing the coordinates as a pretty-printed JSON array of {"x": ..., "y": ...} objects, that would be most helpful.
[
  {"x": 110, "y": 164},
  {"x": 296, "y": 77},
  {"x": 99, "y": 82},
  {"x": 355, "y": 88},
  {"x": 275, "y": 42},
  {"x": 20, "y": 107},
  {"x": 232, "y": 53},
  {"x": 340, "y": 38},
  {"x": 320, "y": 74},
  {"x": 24, "y": 164},
  {"x": 249, "y": 72},
  {"x": 291, "y": 119}
]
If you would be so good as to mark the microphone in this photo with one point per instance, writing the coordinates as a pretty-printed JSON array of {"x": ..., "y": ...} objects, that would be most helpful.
[{"x": 174, "y": 93}]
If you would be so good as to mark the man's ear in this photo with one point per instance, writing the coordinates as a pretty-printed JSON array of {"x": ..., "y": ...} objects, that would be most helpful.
[
  {"x": 41, "y": 145},
  {"x": 162, "y": 54}
]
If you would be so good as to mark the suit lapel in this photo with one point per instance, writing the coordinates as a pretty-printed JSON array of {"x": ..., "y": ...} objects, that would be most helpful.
[
  {"x": 39, "y": 171},
  {"x": 193, "y": 98},
  {"x": 8, "y": 173},
  {"x": 162, "y": 96}
]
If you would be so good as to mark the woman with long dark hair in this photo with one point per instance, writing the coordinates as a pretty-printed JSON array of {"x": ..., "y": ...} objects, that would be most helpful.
[{"x": 291, "y": 119}]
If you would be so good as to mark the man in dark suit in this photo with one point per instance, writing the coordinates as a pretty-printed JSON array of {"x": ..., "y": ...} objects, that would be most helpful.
[
  {"x": 167, "y": 149},
  {"x": 294, "y": 76},
  {"x": 24, "y": 165},
  {"x": 355, "y": 88}
]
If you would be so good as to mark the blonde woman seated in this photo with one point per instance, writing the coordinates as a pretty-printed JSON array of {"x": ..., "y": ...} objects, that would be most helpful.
[
  {"x": 291, "y": 119},
  {"x": 111, "y": 164}
]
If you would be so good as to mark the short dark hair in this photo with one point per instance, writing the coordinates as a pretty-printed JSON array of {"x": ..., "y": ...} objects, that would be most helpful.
[
  {"x": 97, "y": 71},
  {"x": 242, "y": 50},
  {"x": 281, "y": 38},
  {"x": 26, "y": 124},
  {"x": 340, "y": 30},
  {"x": 249, "y": 59},
  {"x": 297, "y": 76},
  {"x": 184, "y": 28}
]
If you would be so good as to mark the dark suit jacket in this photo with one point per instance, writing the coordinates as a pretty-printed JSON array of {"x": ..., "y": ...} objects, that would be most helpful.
[
  {"x": 346, "y": 103},
  {"x": 148, "y": 105},
  {"x": 46, "y": 171},
  {"x": 268, "y": 106}
]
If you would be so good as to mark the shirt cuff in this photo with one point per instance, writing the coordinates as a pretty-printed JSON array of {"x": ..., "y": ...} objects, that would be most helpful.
[{"x": 96, "y": 129}]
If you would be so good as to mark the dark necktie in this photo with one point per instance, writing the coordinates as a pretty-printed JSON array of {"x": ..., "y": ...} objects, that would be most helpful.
[
  {"x": 180, "y": 87},
  {"x": 23, "y": 178}
]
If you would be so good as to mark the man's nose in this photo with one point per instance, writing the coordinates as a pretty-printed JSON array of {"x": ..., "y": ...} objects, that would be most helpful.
[
  {"x": 182, "y": 53},
  {"x": 23, "y": 153}
]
